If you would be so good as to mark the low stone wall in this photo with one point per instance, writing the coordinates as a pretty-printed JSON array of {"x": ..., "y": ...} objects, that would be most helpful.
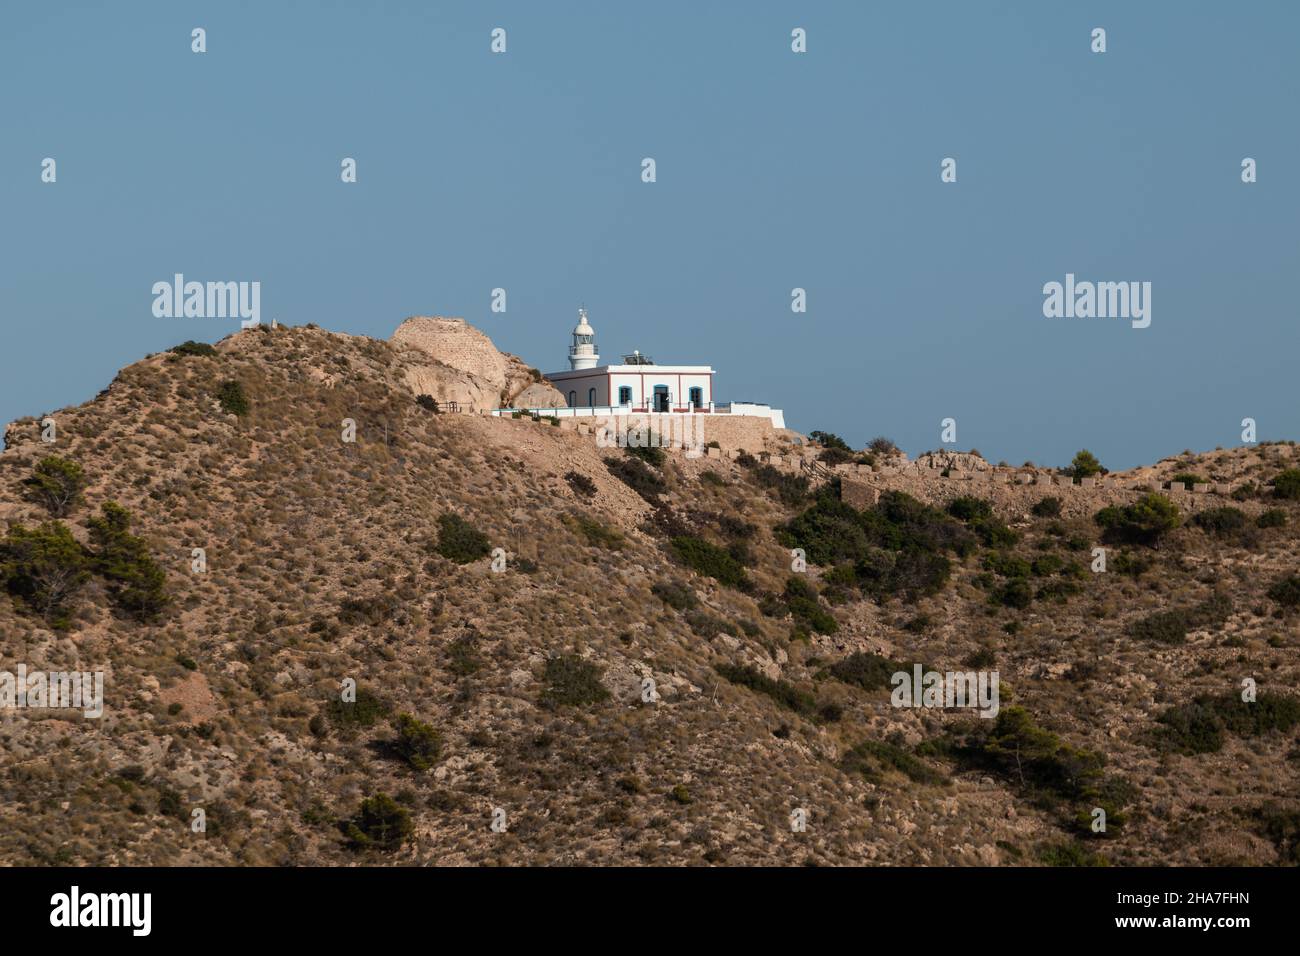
[
  {"x": 733, "y": 433},
  {"x": 1009, "y": 489},
  {"x": 1019, "y": 491}
]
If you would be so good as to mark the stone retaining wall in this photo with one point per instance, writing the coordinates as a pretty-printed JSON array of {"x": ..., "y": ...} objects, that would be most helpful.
[
  {"x": 1008, "y": 488},
  {"x": 733, "y": 433}
]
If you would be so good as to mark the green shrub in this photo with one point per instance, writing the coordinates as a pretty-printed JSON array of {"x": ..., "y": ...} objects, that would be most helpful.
[
  {"x": 1130, "y": 564},
  {"x": 829, "y": 532},
  {"x": 707, "y": 626},
  {"x": 1272, "y": 518},
  {"x": 896, "y": 548},
  {"x": 1171, "y": 627},
  {"x": 596, "y": 534},
  {"x": 232, "y": 398},
  {"x": 835, "y": 456},
  {"x": 1282, "y": 827},
  {"x": 710, "y": 560},
  {"x": 463, "y": 656},
  {"x": 634, "y": 473},
  {"x": 1163, "y": 627},
  {"x": 829, "y": 440},
  {"x": 1007, "y": 565},
  {"x": 900, "y": 522},
  {"x": 1058, "y": 589},
  {"x": 648, "y": 450},
  {"x": 783, "y": 692},
  {"x": 967, "y": 508},
  {"x": 1016, "y": 593},
  {"x": 675, "y": 594},
  {"x": 801, "y": 599},
  {"x": 381, "y": 823},
  {"x": 791, "y": 490},
  {"x": 56, "y": 484},
  {"x": 1143, "y": 522},
  {"x": 353, "y": 715},
  {"x": 865, "y": 670},
  {"x": 1220, "y": 521},
  {"x": 1069, "y": 854},
  {"x": 581, "y": 484},
  {"x": 460, "y": 541},
  {"x": 1246, "y": 491},
  {"x": 712, "y": 478},
  {"x": 1187, "y": 479},
  {"x": 44, "y": 568},
  {"x": 572, "y": 682},
  {"x": 1286, "y": 591},
  {"x": 427, "y": 402},
  {"x": 1212, "y": 612},
  {"x": 978, "y": 515},
  {"x": 417, "y": 743},
  {"x": 1201, "y": 725},
  {"x": 910, "y": 574},
  {"x": 1047, "y": 564},
  {"x": 873, "y": 759},
  {"x": 194, "y": 348},
  {"x": 137, "y": 583},
  {"x": 1047, "y": 508},
  {"x": 1286, "y": 484}
]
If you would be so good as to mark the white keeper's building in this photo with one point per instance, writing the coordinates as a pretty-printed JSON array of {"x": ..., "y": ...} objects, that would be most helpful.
[{"x": 638, "y": 384}]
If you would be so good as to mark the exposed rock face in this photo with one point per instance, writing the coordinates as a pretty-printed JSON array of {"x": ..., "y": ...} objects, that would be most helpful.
[
  {"x": 957, "y": 460},
  {"x": 458, "y": 345},
  {"x": 539, "y": 395},
  {"x": 447, "y": 384},
  {"x": 467, "y": 368}
]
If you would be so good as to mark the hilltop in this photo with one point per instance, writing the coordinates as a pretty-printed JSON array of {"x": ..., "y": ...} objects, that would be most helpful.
[{"x": 643, "y": 679}]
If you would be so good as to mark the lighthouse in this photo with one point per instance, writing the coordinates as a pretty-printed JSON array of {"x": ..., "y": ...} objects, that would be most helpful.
[
  {"x": 582, "y": 353},
  {"x": 638, "y": 386}
]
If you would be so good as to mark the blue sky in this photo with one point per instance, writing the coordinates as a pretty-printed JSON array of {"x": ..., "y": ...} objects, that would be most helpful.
[{"x": 775, "y": 171}]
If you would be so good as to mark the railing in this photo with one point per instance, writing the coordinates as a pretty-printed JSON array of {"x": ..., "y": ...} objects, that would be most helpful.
[{"x": 592, "y": 411}]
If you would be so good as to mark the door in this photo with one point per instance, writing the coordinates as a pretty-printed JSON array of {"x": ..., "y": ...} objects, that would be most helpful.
[{"x": 661, "y": 398}]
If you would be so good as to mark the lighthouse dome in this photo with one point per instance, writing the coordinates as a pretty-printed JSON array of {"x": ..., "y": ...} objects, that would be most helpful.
[{"x": 582, "y": 353}]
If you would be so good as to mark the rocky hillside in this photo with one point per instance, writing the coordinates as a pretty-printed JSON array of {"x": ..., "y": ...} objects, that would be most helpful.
[{"x": 570, "y": 654}]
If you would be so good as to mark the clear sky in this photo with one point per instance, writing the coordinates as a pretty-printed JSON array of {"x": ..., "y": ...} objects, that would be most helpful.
[{"x": 775, "y": 170}]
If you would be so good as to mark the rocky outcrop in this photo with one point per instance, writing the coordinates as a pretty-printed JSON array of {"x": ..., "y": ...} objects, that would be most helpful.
[
  {"x": 463, "y": 366},
  {"x": 538, "y": 395},
  {"x": 956, "y": 460},
  {"x": 458, "y": 345}
]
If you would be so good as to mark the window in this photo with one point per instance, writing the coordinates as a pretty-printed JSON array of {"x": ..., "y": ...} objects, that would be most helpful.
[
  {"x": 573, "y": 399},
  {"x": 697, "y": 397},
  {"x": 591, "y": 398},
  {"x": 625, "y": 394}
]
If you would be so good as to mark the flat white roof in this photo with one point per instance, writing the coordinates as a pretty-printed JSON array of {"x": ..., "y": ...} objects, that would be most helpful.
[{"x": 633, "y": 370}]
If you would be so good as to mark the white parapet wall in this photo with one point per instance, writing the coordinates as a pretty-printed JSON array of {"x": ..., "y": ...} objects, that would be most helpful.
[
  {"x": 753, "y": 409},
  {"x": 749, "y": 409},
  {"x": 582, "y": 411}
]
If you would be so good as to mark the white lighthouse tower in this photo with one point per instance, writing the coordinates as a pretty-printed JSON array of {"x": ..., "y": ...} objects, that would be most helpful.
[{"x": 582, "y": 353}]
